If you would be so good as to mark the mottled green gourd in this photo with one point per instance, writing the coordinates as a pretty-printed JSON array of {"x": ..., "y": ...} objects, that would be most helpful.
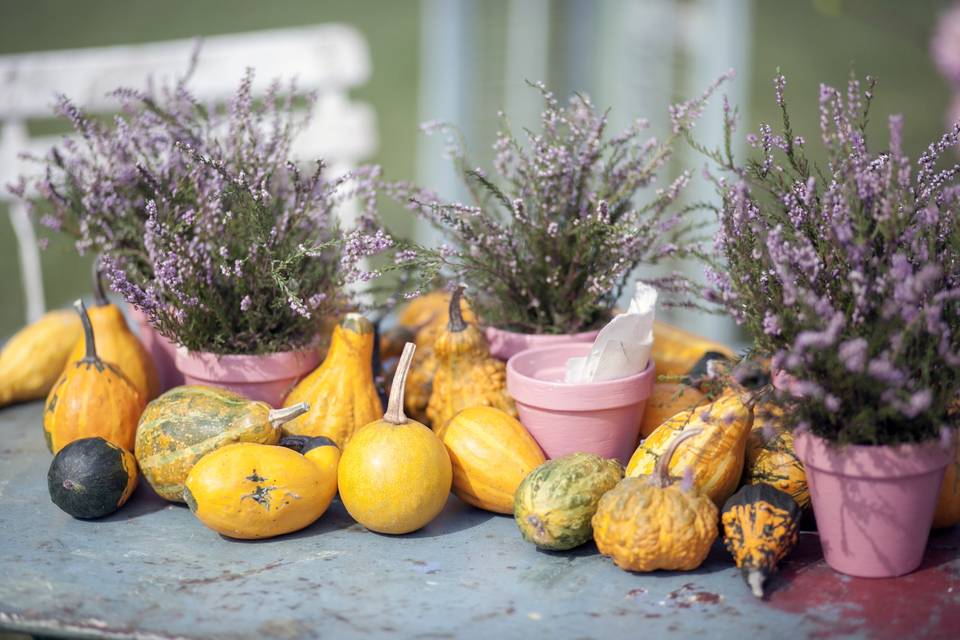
[{"x": 556, "y": 502}]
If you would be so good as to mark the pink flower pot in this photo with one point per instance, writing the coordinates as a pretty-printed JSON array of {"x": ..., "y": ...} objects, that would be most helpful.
[
  {"x": 161, "y": 350},
  {"x": 505, "y": 344},
  {"x": 873, "y": 504},
  {"x": 267, "y": 378},
  {"x": 601, "y": 417}
]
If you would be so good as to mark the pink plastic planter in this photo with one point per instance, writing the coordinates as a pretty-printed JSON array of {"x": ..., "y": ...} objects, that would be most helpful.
[
  {"x": 505, "y": 344},
  {"x": 160, "y": 349},
  {"x": 267, "y": 378},
  {"x": 601, "y": 418},
  {"x": 873, "y": 504}
]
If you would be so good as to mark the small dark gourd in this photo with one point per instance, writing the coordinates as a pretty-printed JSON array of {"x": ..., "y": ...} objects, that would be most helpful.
[
  {"x": 761, "y": 525},
  {"x": 91, "y": 478}
]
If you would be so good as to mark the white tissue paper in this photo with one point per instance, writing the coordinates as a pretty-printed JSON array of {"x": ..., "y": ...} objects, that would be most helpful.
[{"x": 622, "y": 348}]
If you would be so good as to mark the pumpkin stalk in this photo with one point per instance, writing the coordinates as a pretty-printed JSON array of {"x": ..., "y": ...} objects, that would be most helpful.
[
  {"x": 91, "y": 347},
  {"x": 456, "y": 322},
  {"x": 277, "y": 417},
  {"x": 394, "y": 414},
  {"x": 99, "y": 294},
  {"x": 661, "y": 472}
]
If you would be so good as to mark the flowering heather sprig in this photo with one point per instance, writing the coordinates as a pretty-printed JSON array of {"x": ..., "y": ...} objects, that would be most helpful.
[
  {"x": 849, "y": 275},
  {"x": 553, "y": 233},
  {"x": 202, "y": 220}
]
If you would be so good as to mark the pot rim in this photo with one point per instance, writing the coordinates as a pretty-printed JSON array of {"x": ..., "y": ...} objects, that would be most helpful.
[
  {"x": 874, "y": 461},
  {"x": 245, "y": 367},
  {"x": 488, "y": 329},
  {"x": 566, "y": 396}
]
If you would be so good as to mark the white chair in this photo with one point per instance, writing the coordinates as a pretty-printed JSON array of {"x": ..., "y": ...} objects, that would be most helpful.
[{"x": 328, "y": 59}]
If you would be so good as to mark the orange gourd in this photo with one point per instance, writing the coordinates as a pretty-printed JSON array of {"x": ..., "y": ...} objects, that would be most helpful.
[{"x": 91, "y": 398}]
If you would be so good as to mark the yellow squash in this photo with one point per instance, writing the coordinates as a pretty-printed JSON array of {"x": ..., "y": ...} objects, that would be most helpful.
[
  {"x": 341, "y": 391},
  {"x": 467, "y": 375},
  {"x": 91, "y": 398},
  {"x": 676, "y": 351},
  {"x": 491, "y": 453},
  {"x": 186, "y": 423},
  {"x": 770, "y": 457},
  {"x": 395, "y": 473},
  {"x": 34, "y": 357},
  {"x": 654, "y": 522},
  {"x": 947, "y": 511},
  {"x": 249, "y": 490},
  {"x": 715, "y": 457},
  {"x": 667, "y": 400},
  {"x": 117, "y": 344}
]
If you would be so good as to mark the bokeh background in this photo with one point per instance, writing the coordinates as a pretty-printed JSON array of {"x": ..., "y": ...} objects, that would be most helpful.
[{"x": 462, "y": 60}]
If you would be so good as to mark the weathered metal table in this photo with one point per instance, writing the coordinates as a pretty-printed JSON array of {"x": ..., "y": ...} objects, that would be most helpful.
[{"x": 152, "y": 571}]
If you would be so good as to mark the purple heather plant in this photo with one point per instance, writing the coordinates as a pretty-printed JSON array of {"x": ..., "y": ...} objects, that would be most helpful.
[
  {"x": 553, "y": 233},
  {"x": 202, "y": 220},
  {"x": 849, "y": 276}
]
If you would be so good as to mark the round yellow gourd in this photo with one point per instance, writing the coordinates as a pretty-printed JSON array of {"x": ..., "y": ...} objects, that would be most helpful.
[
  {"x": 249, "y": 490},
  {"x": 395, "y": 474}
]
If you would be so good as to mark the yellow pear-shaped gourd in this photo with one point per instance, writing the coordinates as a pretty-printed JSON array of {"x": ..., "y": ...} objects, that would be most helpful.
[
  {"x": 91, "y": 398},
  {"x": 249, "y": 490},
  {"x": 341, "y": 392},
  {"x": 715, "y": 458},
  {"x": 395, "y": 473},
  {"x": 467, "y": 375},
  {"x": 34, "y": 357},
  {"x": 654, "y": 522},
  {"x": 118, "y": 345},
  {"x": 675, "y": 351}
]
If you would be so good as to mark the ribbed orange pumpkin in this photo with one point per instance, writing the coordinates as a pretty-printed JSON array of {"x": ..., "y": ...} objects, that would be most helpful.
[
  {"x": 91, "y": 398},
  {"x": 491, "y": 453},
  {"x": 118, "y": 345}
]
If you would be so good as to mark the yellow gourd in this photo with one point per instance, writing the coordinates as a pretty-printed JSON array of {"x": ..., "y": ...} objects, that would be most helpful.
[
  {"x": 653, "y": 522},
  {"x": 249, "y": 490},
  {"x": 715, "y": 457},
  {"x": 770, "y": 456},
  {"x": 491, "y": 453},
  {"x": 341, "y": 391},
  {"x": 667, "y": 400},
  {"x": 34, "y": 357},
  {"x": 676, "y": 351},
  {"x": 91, "y": 398},
  {"x": 947, "y": 512},
  {"x": 118, "y": 345},
  {"x": 467, "y": 375},
  {"x": 395, "y": 473}
]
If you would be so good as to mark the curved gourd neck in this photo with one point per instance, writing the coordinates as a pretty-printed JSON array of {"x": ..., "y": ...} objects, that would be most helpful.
[
  {"x": 353, "y": 333},
  {"x": 90, "y": 354},
  {"x": 661, "y": 472},
  {"x": 456, "y": 322},
  {"x": 394, "y": 414}
]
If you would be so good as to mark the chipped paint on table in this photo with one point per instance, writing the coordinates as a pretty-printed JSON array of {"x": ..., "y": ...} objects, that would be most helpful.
[{"x": 152, "y": 571}]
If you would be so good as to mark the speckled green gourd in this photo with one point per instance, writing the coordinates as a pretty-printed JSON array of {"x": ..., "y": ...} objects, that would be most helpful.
[{"x": 555, "y": 503}]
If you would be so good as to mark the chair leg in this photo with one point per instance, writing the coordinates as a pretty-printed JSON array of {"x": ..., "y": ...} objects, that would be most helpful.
[{"x": 31, "y": 276}]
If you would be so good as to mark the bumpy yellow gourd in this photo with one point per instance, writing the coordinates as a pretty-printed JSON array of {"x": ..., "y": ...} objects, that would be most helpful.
[
  {"x": 341, "y": 392},
  {"x": 91, "y": 398},
  {"x": 491, "y": 453},
  {"x": 653, "y": 522},
  {"x": 675, "y": 351},
  {"x": 770, "y": 456},
  {"x": 467, "y": 375},
  {"x": 715, "y": 457},
  {"x": 249, "y": 490},
  {"x": 34, "y": 357},
  {"x": 395, "y": 473},
  {"x": 118, "y": 345}
]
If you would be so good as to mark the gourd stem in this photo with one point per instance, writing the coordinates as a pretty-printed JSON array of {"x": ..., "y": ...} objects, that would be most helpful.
[
  {"x": 755, "y": 580},
  {"x": 394, "y": 414},
  {"x": 278, "y": 417},
  {"x": 90, "y": 344},
  {"x": 456, "y": 322},
  {"x": 99, "y": 295},
  {"x": 661, "y": 472}
]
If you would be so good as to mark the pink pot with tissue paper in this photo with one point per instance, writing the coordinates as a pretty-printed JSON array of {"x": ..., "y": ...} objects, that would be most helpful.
[
  {"x": 599, "y": 417},
  {"x": 505, "y": 344}
]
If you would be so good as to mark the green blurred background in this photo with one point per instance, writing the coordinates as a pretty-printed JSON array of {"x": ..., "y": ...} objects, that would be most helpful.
[{"x": 813, "y": 41}]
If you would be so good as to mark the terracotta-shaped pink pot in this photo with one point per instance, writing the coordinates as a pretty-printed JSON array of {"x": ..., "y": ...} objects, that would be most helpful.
[
  {"x": 873, "y": 504},
  {"x": 506, "y": 344},
  {"x": 601, "y": 417},
  {"x": 161, "y": 350},
  {"x": 267, "y": 378}
]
